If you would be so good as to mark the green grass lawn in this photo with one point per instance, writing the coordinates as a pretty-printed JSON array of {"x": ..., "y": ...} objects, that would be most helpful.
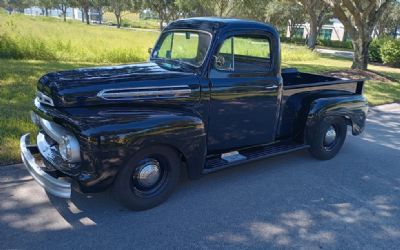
[{"x": 47, "y": 44}]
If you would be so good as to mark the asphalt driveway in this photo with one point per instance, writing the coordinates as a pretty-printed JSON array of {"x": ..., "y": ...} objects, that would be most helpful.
[{"x": 291, "y": 201}]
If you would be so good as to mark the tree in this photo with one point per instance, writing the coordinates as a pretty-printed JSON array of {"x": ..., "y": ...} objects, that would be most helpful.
[
  {"x": 253, "y": 9},
  {"x": 3, "y": 3},
  {"x": 46, "y": 5},
  {"x": 192, "y": 8},
  {"x": 318, "y": 13},
  {"x": 221, "y": 8},
  {"x": 224, "y": 8},
  {"x": 18, "y": 5},
  {"x": 119, "y": 6},
  {"x": 389, "y": 23},
  {"x": 285, "y": 14},
  {"x": 359, "y": 18},
  {"x": 62, "y": 5},
  {"x": 166, "y": 9},
  {"x": 99, "y": 5},
  {"x": 85, "y": 6}
]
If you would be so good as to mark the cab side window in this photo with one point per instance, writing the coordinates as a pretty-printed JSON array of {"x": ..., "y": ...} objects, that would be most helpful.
[{"x": 244, "y": 53}]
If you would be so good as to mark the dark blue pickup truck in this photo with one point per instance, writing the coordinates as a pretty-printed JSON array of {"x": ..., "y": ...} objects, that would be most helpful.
[{"x": 211, "y": 96}]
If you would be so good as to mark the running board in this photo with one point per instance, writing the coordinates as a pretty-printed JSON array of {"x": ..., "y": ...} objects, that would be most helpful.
[{"x": 251, "y": 154}]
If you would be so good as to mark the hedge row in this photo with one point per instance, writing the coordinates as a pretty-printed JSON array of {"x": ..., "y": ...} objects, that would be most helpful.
[
  {"x": 386, "y": 50},
  {"x": 327, "y": 43},
  {"x": 383, "y": 50}
]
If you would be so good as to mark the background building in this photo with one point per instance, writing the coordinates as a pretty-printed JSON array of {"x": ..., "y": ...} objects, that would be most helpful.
[{"x": 334, "y": 30}]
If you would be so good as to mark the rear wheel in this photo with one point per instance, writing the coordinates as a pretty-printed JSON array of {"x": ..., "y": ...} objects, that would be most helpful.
[
  {"x": 148, "y": 179},
  {"x": 326, "y": 138}
]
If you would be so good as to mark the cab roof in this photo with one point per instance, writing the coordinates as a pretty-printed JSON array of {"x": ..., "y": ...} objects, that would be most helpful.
[{"x": 217, "y": 24}]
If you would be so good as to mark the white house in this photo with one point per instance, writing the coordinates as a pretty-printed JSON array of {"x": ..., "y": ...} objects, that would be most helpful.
[{"x": 334, "y": 31}]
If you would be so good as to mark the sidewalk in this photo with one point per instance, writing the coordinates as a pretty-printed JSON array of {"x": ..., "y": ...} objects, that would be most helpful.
[{"x": 340, "y": 53}]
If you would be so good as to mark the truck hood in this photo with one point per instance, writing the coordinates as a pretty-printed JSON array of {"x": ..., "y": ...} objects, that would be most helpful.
[{"x": 116, "y": 84}]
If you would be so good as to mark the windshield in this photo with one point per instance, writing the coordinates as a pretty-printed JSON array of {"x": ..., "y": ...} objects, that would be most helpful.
[{"x": 189, "y": 47}]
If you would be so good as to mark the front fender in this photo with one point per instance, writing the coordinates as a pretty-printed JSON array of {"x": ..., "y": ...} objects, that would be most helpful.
[
  {"x": 121, "y": 133},
  {"x": 353, "y": 107},
  {"x": 109, "y": 136}
]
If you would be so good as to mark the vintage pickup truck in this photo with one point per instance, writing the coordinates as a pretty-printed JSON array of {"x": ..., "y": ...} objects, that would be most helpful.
[{"x": 211, "y": 96}]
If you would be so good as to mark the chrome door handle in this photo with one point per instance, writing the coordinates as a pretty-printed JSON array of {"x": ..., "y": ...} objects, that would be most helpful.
[{"x": 272, "y": 87}]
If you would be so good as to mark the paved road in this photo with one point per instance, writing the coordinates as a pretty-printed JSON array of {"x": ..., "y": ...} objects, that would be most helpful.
[{"x": 291, "y": 201}]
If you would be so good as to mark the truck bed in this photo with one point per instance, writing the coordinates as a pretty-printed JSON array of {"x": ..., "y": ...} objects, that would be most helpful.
[
  {"x": 293, "y": 79},
  {"x": 298, "y": 87}
]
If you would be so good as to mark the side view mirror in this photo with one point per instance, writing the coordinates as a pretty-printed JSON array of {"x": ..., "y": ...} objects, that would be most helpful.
[
  {"x": 168, "y": 54},
  {"x": 219, "y": 61}
]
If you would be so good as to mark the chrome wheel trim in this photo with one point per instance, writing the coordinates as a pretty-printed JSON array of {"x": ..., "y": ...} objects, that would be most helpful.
[
  {"x": 148, "y": 173},
  {"x": 330, "y": 136}
]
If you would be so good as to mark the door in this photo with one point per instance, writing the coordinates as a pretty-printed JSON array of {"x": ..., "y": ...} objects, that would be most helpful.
[{"x": 244, "y": 93}]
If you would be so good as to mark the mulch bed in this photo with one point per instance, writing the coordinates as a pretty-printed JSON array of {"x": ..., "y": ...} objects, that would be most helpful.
[{"x": 356, "y": 74}]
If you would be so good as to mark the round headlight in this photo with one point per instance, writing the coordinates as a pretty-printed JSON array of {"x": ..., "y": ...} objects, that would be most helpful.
[{"x": 65, "y": 149}]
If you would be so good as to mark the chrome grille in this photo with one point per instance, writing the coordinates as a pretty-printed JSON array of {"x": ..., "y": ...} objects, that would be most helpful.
[{"x": 44, "y": 99}]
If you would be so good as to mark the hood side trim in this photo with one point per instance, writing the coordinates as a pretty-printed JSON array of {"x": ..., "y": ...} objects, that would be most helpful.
[{"x": 153, "y": 92}]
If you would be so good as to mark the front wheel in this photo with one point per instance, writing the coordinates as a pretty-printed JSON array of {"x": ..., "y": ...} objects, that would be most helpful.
[
  {"x": 148, "y": 179},
  {"x": 326, "y": 138}
]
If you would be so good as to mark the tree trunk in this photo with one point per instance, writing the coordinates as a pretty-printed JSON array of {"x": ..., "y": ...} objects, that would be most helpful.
[
  {"x": 83, "y": 16},
  {"x": 101, "y": 15},
  {"x": 119, "y": 20},
  {"x": 381, "y": 31},
  {"x": 46, "y": 11},
  {"x": 86, "y": 10},
  {"x": 291, "y": 31},
  {"x": 161, "y": 23},
  {"x": 117, "y": 14},
  {"x": 360, "y": 59},
  {"x": 312, "y": 36}
]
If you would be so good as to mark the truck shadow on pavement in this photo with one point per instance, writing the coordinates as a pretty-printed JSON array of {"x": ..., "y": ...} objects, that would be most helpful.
[{"x": 291, "y": 201}]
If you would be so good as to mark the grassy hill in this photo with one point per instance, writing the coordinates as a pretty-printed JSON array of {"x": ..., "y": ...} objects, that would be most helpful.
[
  {"x": 32, "y": 46},
  {"x": 41, "y": 38}
]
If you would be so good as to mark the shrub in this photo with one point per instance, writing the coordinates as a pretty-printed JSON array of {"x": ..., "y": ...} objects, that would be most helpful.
[
  {"x": 327, "y": 43},
  {"x": 374, "y": 50},
  {"x": 336, "y": 44},
  {"x": 390, "y": 51},
  {"x": 126, "y": 23},
  {"x": 294, "y": 40}
]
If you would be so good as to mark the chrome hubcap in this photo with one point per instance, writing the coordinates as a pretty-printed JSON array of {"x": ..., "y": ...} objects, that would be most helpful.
[
  {"x": 149, "y": 173},
  {"x": 330, "y": 136}
]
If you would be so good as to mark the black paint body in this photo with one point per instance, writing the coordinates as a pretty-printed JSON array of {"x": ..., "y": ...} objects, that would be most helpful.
[{"x": 224, "y": 111}]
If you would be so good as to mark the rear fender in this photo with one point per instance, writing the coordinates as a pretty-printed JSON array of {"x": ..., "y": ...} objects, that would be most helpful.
[{"x": 353, "y": 108}]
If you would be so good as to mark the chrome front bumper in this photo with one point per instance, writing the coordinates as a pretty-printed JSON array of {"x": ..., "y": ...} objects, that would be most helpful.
[{"x": 54, "y": 186}]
